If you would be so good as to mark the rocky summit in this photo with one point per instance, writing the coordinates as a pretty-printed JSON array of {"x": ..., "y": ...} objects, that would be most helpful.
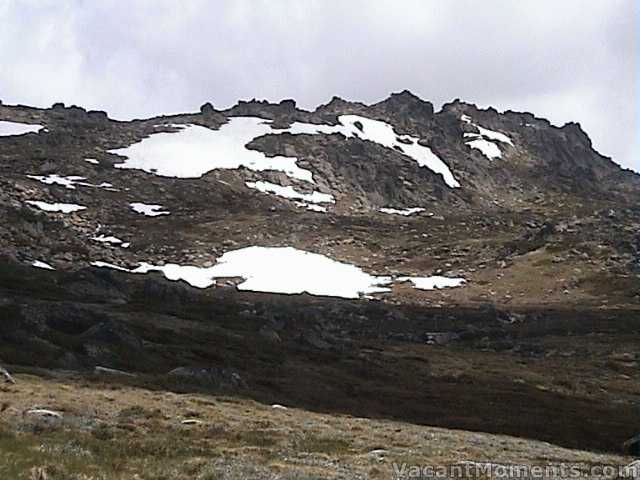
[{"x": 461, "y": 268}]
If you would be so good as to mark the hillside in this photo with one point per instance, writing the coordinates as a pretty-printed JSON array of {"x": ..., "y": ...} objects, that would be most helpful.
[{"x": 463, "y": 269}]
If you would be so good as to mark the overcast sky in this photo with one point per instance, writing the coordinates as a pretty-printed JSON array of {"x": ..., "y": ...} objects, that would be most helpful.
[{"x": 567, "y": 60}]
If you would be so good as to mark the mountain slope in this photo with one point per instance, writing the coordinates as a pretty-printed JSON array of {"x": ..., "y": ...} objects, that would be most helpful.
[{"x": 524, "y": 211}]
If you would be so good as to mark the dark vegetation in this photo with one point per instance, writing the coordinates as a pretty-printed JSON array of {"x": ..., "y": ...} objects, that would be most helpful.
[{"x": 542, "y": 373}]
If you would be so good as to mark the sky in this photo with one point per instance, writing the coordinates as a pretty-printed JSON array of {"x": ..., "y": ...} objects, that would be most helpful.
[{"x": 568, "y": 60}]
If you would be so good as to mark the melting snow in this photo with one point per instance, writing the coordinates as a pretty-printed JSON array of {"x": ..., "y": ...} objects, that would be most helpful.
[
  {"x": 56, "y": 207},
  {"x": 39, "y": 264},
  {"x": 286, "y": 270},
  {"x": 110, "y": 265},
  {"x": 488, "y": 149},
  {"x": 290, "y": 192},
  {"x": 430, "y": 283},
  {"x": 314, "y": 208},
  {"x": 479, "y": 140},
  {"x": 383, "y": 134},
  {"x": 14, "y": 128},
  {"x": 195, "y": 150},
  {"x": 111, "y": 239},
  {"x": 148, "y": 210},
  {"x": 406, "y": 211},
  {"x": 69, "y": 182},
  {"x": 492, "y": 135}
]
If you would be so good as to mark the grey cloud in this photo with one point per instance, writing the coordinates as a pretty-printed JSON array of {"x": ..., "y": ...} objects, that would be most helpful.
[{"x": 573, "y": 60}]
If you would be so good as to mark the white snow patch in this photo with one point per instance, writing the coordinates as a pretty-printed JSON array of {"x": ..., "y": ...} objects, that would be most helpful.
[
  {"x": 287, "y": 270},
  {"x": 195, "y": 150},
  {"x": 148, "y": 210},
  {"x": 479, "y": 140},
  {"x": 315, "y": 208},
  {"x": 101, "y": 264},
  {"x": 488, "y": 149},
  {"x": 383, "y": 134},
  {"x": 56, "y": 207},
  {"x": 14, "y": 128},
  {"x": 431, "y": 283},
  {"x": 290, "y": 192},
  {"x": 198, "y": 277},
  {"x": 110, "y": 239},
  {"x": 493, "y": 135},
  {"x": 92, "y": 161},
  {"x": 406, "y": 211},
  {"x": 39, "y": 264},
  {"x": 275, "y": 270},
  {"x": 68, "y": 182}
]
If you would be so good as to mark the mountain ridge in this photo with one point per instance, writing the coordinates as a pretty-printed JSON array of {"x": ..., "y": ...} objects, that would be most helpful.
[{"x": 518, "y": 186}]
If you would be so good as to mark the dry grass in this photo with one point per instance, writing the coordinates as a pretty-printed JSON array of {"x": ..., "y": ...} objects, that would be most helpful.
[{"x": 122, "y": 433}]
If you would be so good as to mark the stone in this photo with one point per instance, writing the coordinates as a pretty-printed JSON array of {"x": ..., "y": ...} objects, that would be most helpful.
[{"x": 7, "y": 376}]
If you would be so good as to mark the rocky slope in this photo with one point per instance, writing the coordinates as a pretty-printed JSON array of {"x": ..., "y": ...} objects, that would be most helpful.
[
  {"x": 539, "y": 232},
  {"x": 548, "y": 221}
]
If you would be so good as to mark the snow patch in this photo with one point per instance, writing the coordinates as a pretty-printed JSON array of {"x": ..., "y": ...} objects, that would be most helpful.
[
  {"x": 43, "y": 265},
  {"x": 493, "y": 135},
  {"x": 69, "y": 182},
  {"x": 111, "y": 239},
  {"x": 56, "y": 207},
  {"x": 8, "y": 129},
  {"x": 194, "y": 150},
  {"x": 291, "y": 193},
  {"x": 431, "y": 283},
  {"x": 488, "y": 149},
  {"x": 148, "y": 210},
  {"x": 485, "y": 139},
  {"x": 406, "y": 211},
  {"x": 286, "y": 270},
  {"x": 383, "y": 134},
  {"x": 92, "y": 161},
  {"x": 315, "y": 208},
  {"x": 101, "y": 264}
]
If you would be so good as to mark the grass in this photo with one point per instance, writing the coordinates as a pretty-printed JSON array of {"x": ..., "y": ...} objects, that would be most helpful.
[{"x": 133, "y": 433}]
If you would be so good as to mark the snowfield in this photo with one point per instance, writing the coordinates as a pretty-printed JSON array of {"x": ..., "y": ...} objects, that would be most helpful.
[
  {"x": 13, "y": 128},
  {"x": 148, "y": 210},
  {"x": 194, "y": 150},
  {"x": 286, "y": 270},
  {"x": 383, "y": 134},
  {"x": 56, "y": 207}
]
